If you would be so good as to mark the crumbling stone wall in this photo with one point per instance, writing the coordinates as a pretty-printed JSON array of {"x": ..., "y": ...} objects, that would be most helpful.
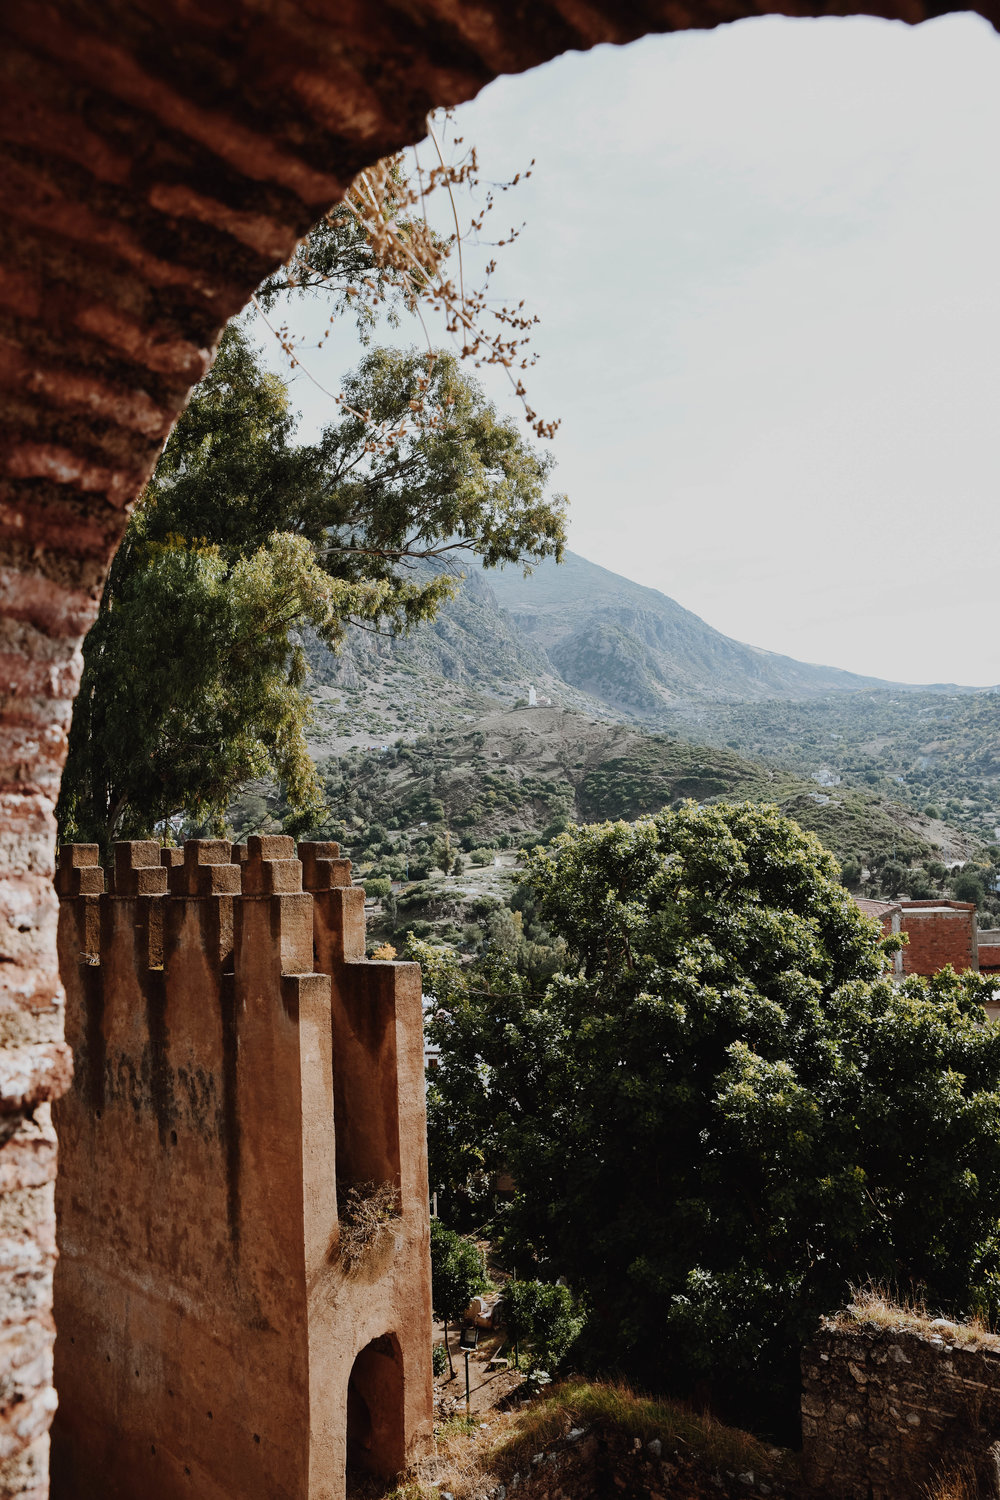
[
  {"x": 237, "y": 1058},
  {"x": 886, "y": 1410},
  {"x": 155, "y": 163}
]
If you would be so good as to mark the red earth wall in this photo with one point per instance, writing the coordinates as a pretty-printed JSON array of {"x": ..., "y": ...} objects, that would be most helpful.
[
  {"x": 222, "y": 1019},
  {"x": 940, "y": 933}
]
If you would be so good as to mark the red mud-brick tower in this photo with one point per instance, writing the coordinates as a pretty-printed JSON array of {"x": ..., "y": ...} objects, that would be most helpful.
[{"x": 237, "y": 1060}]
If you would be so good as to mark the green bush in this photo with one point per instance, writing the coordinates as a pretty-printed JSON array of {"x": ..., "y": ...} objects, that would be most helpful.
[
  {"x": 377, "y": 887},
  {"x": 542, "y": 1315},
  {"x": 968, "y": 886}
]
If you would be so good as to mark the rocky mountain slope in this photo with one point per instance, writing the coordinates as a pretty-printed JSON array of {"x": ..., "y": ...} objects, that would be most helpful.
[
  {"x": 639, "y": 650},
  {"x": 617, "y": 652}
]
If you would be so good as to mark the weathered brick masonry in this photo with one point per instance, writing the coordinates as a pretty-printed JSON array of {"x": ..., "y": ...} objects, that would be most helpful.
[
  {"x": 887, "y": 1410},
  {"x": 940, "y": 933},
  {"x": 155, "y": 162},
  {"x": 222, "y": 1020}
]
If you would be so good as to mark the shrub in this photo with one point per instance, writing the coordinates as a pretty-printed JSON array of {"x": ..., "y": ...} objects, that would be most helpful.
[
  {"x": 542, "y": 1315},
  {"x": 721, "y": 1111},
  {"x": 457, "y": 1274}
]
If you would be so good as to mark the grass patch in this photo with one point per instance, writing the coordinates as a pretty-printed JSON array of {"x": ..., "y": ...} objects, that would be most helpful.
[
  {"x": 473, "y": 1459},
  {"x": 959, "y": 1484},
  {"x": 877, "y": 1305},
  {"x": 615, "y": 1409}
]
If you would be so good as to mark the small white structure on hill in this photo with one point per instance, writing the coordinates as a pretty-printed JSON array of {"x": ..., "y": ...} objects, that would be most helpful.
[{"x": 532, "y": 698}]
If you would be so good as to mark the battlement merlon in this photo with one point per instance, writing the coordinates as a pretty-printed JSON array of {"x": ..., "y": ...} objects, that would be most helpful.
[{"x": 216, "y": 908}]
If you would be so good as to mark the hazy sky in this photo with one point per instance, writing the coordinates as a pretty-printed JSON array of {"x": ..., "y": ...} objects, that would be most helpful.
[{"x": 767, "y": 263}]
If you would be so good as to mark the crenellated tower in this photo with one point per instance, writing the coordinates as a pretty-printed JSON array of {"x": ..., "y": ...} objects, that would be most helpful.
[{"x": 237, "y": 1060}]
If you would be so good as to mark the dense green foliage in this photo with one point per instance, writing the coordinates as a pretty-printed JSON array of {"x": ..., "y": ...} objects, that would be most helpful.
[
  {"x": 720, "y": 1113},
  {"x": 194, "y": 671},
  {"x": 457, "y": 1273}
]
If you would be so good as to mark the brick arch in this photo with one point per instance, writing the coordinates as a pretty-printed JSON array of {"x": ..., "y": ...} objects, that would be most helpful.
[{"x": 156, "y": 160}]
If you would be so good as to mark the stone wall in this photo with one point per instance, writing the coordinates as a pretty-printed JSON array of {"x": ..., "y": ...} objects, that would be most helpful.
[
  {"x": 886, "y": 1410},
  {"x": 237, "y": 1059}
]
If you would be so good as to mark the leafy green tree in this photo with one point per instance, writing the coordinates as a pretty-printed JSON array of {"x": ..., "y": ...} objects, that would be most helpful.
[
  {"x": 194, "y": 672},
  {"x": 721, "y": 1112},
  {"x": 968, "y": 886},
  {"x": 457, "y": 1276},
  {"x": 543, "y": 1315}
]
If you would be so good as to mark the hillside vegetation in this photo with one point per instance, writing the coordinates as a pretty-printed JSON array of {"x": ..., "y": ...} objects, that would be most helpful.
[
  {"x": 937, "y": 749},
  {"x": 443, "y": 817},
  {"x": 512, "y": 773},
  {"x": 591, "y": 640}
]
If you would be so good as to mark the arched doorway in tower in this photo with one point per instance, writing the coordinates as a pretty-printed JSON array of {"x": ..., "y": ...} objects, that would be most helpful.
[{"x": 375, "y": 1409}]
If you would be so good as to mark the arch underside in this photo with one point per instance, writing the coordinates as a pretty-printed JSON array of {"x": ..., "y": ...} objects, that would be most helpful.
[{"x": 157, "y": 161}]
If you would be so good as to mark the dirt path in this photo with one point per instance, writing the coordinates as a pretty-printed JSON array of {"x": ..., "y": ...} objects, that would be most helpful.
[{"x": 488, "y": 1385}]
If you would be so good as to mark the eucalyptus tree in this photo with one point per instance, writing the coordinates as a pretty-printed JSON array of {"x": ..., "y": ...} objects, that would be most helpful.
[{"x": 194, "y": 672}]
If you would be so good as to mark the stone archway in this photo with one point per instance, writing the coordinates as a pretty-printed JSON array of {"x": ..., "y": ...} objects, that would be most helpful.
[
  {"x": 156, "y": 162},
  {"x": 375, "y": 1409}
]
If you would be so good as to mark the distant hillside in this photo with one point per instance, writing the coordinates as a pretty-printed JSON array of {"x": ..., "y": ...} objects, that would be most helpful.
[
  {"x": 639, "y": 650},
  {"x": 513, "y": 773},
  {"x": 593, "y": 641},
  {"x": 471, "y": 658},
  {"x": 937, "y": 749}
]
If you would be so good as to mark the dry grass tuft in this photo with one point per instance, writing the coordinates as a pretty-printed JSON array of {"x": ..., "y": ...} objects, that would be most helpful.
[
  {"x": 617, "y": 1409},
  {"x": 878, "y": 1305},
  {"x": 958, "y": 1484},
  {"x": 367, "y": 1213}
]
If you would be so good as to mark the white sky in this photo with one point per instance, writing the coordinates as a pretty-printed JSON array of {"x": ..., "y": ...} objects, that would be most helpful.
[{"x": 767, "y": 263}]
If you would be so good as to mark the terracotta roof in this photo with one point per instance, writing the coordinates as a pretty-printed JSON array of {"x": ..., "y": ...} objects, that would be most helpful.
[{"x": 876, "y": 908}]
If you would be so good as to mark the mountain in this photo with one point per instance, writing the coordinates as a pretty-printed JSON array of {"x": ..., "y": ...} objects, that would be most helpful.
[
  {"x": 640, "y": 651},
  {"x": 591, "y": 640},
  {"x": 454, "y": 668}
]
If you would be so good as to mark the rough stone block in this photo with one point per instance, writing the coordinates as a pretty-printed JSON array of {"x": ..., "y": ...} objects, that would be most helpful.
[
  {"x": 271, "y": 877},
  {"x": 78, "y": 872},
  {"x": 322, "y": 867},
  {"x": 270, "y": 846},
  {"x": 138, "y": 871},
  {"x": 207, "y": 869}
]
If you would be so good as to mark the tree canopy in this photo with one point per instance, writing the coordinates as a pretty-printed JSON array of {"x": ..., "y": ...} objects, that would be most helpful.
[
  {"x": 194, "y": 671},
  {"x": 722, "y": 1112}
]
